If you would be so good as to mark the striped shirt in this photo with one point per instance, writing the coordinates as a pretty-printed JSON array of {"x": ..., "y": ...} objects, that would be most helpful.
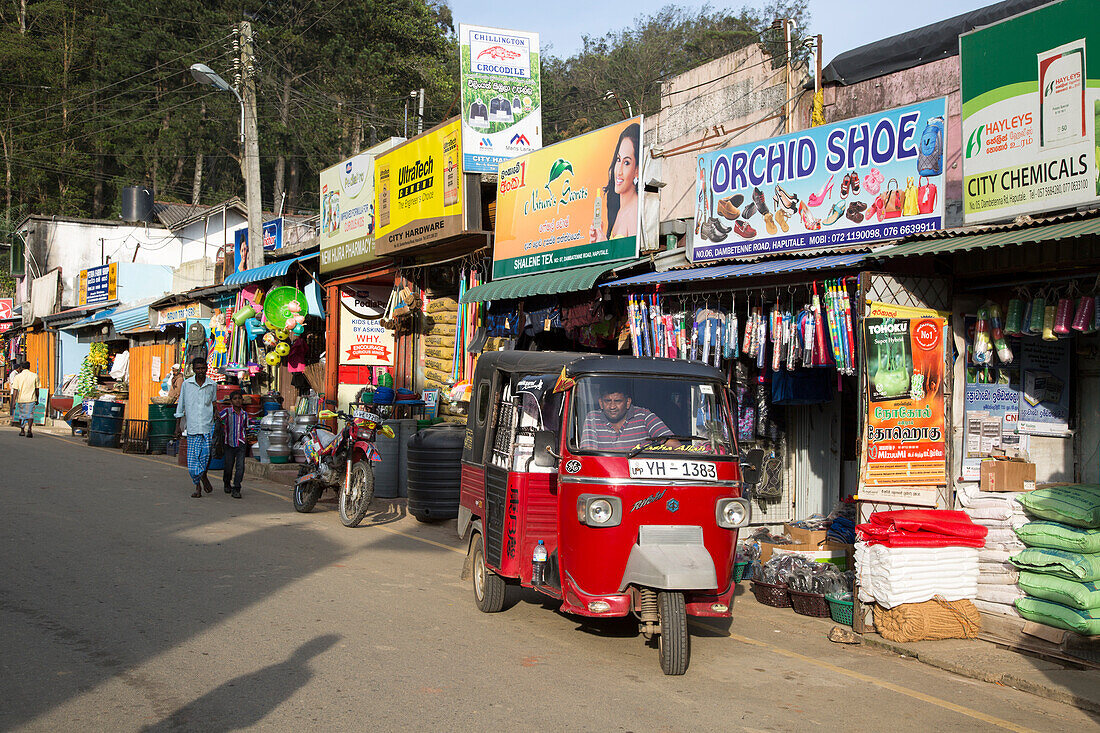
[
  {"x": 234, "y": 423},
  {"x": 639, "y": 424}
]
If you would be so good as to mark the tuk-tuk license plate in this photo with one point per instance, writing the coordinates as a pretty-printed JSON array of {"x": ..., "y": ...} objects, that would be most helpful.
[{"x": 673, "y": 469}]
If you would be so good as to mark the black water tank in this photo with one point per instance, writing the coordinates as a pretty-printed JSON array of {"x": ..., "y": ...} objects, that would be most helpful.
[
  {"x": 137, "y": 204},
  {"x": 435, "y": 472}
]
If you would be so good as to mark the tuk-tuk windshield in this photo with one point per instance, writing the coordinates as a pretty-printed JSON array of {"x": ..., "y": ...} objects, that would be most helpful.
[{"x": 624, "y": 414}]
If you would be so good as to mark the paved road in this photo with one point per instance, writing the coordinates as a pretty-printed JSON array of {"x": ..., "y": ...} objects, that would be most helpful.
[{"x": 127, "y": 605}]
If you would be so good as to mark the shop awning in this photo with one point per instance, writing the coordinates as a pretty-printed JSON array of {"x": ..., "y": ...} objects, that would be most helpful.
[
  {"x": 985, "y": 240},
  {"x": 543, "y": 283},
  {"x": 131, "y": 320},
  {"x": 275, "y": 269},
  {"x": 100, "y": 316},
  {"x": 744, "y": 269}
]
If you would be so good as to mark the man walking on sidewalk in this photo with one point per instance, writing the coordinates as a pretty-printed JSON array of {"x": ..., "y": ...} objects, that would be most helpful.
[
  {"x": 234, "y": 423},
  {"x": 195, "y": 411},
  {"x": 24, "y": 394}
]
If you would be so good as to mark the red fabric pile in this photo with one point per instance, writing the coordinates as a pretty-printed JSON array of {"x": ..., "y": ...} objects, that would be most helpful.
[{"x": 922, "y": 528}]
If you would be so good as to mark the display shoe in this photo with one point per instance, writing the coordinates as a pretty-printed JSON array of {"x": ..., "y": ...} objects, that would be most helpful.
[
  {"x": 769, "y": 224},
  {"x": 725, "y": 208},
  {"x": 835, "y": 213},
  {"x": 749, "y": 210},
  {"x": 706, "y": 229},
  {"x": 743, "y": 230},
  {"x": 736, "y": 199},
  {"x": 817, "y": 199},
  {"x": 716, "y": 234},
  {"x": 874, "y": 210},
  {"x": 808, "y": 220},
  {"x": 845, "y": 185},
  {"x": 719, "y": 226},
  {"x": 784, "y": 200},
  {"x": 781, "y": 219},
  {"x": 855, "y": 213},
  {"x": 853, "y": 179},
  {"x": 758, "y": 199}
]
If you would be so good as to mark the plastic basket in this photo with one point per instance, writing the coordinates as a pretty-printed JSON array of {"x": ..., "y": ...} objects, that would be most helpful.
[
  {"x": 739, "y": 570},
  {"x": 809, "y": 604},
  {"x": 840, "y": 610},
  {"x": 771, "y": 594}
]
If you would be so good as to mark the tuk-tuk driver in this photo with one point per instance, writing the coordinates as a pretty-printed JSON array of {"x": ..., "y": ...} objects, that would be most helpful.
[{"x": 619, "y": 425}]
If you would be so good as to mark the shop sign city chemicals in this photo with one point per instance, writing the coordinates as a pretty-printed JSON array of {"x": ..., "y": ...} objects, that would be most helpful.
[
  {"x": 572, "y": 204},
  {"x": 364, "y": 341},
  {"x": 418, "y": 190},
  {"x": 501, "y": 96},
  {"x": 1030, "y": 103},
  {"x": 863, "y": 180},
  {"x": 905, "y": 454},
  {"x": 347, "y": 210}
]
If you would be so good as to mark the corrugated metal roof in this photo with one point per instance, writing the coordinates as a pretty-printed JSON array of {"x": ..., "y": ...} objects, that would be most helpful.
[
  {"x": 102, "y": 315},
  {"x": 130, "y": 320},
  {"x": 985, "y": 240},
  {"x": 275, "y": 269},
  {"x": 543, "y": 283},
  {"x": 745, "y": 269}
]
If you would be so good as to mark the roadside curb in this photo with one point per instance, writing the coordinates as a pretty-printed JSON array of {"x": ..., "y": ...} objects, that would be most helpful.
[{"x": 1025, "y": 683}]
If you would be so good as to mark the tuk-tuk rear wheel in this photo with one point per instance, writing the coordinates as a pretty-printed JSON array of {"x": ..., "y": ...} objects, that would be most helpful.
[
  {"x": 673, "y": 644},
  {"x": 489, "y": 587}
]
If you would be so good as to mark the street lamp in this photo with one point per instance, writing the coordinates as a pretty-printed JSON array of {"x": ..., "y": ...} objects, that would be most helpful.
[{"x": 203, "y": 74}]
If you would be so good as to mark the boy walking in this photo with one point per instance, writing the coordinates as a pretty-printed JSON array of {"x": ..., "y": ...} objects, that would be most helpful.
[{"x": 234, "y": 423}]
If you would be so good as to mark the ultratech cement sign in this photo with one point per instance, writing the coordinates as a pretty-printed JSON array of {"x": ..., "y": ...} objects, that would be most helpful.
[{"x": 1030, "y": 104}]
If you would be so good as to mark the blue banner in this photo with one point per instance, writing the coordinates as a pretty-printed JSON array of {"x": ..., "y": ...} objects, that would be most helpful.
[
  {"x": 859, "y": 181},
  {"x": 273, "y": 234}
]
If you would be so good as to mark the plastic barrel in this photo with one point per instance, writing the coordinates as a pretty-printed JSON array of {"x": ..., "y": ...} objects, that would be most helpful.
[
  {"x": 387, "y": 471},
  {"x": 162, "y": 426},
  {"x": 435, "y": 472},
  {"x": 106, "y": 424},
  {"x": 405, "y": 429}
]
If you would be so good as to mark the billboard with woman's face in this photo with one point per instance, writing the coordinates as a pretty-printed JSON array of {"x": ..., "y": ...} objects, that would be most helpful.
[{"x": 573, "y": 204}]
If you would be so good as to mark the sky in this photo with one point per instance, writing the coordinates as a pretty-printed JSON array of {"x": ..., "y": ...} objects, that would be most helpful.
[{"x": 843, "y": 24}]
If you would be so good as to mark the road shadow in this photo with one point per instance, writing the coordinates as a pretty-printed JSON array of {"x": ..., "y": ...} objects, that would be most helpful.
[{"x": 246, "y": 700}]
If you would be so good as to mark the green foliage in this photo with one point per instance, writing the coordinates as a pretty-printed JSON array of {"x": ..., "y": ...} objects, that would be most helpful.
[{"x": 632, "y": 62}]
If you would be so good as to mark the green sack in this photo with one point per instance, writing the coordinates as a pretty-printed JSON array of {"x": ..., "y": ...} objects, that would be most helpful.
[
  {"x": 1059, "y": 563},
  {"x": 1077, "y": 504},
  {"x": 1086, "y": 623},
  {"x": 1059, "y": 537},
  {"x": 1067, "y": 592}
]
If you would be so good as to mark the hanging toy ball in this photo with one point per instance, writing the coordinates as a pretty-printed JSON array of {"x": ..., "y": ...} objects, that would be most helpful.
[
  {"x": 272, "y": 358},
  {"x": 280, "y": 333},
  {"x": 282, "y": 348},
  {"x": 299, "y": 329},
  {"x": 293, "y": 306},
  {"x": 269, "y": 339}
]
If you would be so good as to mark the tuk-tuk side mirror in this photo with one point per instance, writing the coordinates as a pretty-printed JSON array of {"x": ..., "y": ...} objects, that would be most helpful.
[
  {"x": 546, "y": 454},
  {"x": 751, "y": 465}
]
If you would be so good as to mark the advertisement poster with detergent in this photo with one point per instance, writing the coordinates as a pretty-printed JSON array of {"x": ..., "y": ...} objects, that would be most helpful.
[
  {"x": 1030, "y": 88},
  {"x": 1045, "y": 389},
  {"x": 905, "y": 440},
  {"x": 866, "y": 179},
  {"x": 501, "y": 96},
  {"x": 572, "y": 204}
]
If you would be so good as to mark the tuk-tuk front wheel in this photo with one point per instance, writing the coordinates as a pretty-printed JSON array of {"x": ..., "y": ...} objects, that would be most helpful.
[
  {"x": 488, "y": 586},
  {"x": 673, "y": 644}
]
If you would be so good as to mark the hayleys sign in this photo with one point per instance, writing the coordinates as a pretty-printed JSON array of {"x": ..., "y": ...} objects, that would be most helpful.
[
  {"x": 501, "y": 96},
  {"x": 1030, "y": 103},
  {"x": 572, "y": 204},
  {"x": 418, "y": 190},
  {"x": 347, "y": 210},
  {"x": 863, "y": 180}
]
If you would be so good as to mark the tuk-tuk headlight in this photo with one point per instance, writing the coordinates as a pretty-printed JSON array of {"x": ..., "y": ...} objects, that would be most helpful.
[
  {"x": 733, "y": 513},
  {"x": 599, "y": 511}
]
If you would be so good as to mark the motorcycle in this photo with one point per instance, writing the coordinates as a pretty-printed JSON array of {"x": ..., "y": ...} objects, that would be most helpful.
[{"x": 341, "y": 462}]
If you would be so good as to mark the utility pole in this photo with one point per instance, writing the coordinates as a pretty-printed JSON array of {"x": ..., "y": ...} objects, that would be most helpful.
[
  {"x": 250, "y": 156},
  {"x": 787, "y": 104},
  {"x": 420, "y": 120}
]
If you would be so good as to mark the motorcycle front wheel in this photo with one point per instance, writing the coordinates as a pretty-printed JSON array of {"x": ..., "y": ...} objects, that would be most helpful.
[
  {"x": 356, "y": 496},
  {"x": 306, "y": 494}
]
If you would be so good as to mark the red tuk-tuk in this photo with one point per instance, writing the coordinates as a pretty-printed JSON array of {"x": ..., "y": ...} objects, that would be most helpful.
[{"x": 621, "y": 471}]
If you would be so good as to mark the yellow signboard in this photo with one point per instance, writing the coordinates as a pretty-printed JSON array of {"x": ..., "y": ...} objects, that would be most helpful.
[
  {"x": 572, "y": 204},
  {"x": 418, "y": 190},
  {"x": 98, "y": 284}
]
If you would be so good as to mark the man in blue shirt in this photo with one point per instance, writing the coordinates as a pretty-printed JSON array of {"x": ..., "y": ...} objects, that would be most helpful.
[{"x": 195, "y": 412}]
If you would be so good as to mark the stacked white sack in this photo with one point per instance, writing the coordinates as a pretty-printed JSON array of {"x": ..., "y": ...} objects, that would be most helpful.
[
  {"x": 1001, "y": 514},
  {"x": 891, "y": 576}
]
